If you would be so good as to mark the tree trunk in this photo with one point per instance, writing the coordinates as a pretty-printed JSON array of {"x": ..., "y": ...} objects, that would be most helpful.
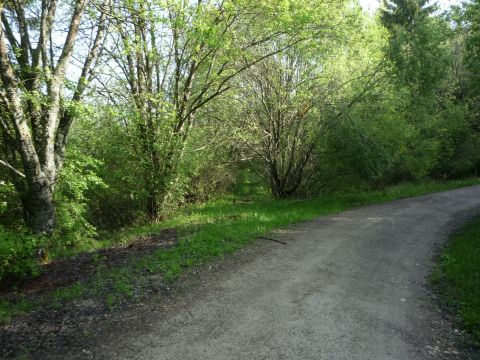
[
  {"x": 153, "y": 205},
  {"x": 39, "y": 207},
  {"x": 37, "y": 130},
  {"x": 276, "y": 186}
]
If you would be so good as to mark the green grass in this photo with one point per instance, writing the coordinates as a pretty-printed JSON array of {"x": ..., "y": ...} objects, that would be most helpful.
[
  {"x": 215, "y": 218},
  {"x": 458, "y": 274},
  {"x": 221, "y": 227},
  {"x": 217, "y": 228},
  {"x": 65, "y": 294},
  {"x": 11, "y": 309}
]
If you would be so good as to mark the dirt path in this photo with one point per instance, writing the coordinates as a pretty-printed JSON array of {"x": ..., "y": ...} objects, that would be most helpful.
[{"x": 347, "y": 286}]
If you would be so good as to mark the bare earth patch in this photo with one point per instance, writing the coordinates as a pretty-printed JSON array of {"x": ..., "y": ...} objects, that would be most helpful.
[
  {"x": 61, "y": 273},
  {"x": 50, "y": 327}
]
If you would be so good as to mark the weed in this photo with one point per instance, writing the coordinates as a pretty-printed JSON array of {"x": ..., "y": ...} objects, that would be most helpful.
[
  {"x": 68, "y": 293},
  {"x": 10, "y": 309}
]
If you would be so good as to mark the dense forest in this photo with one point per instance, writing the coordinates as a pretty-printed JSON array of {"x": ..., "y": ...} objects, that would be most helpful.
[{"x": 116, "y": 113}]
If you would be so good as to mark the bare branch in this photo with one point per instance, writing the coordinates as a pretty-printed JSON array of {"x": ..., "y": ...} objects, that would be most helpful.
[
  {"x": 70, "y": 40},
  {"x": 94, "y": 51},
  {"x": 6, "y": 164}
]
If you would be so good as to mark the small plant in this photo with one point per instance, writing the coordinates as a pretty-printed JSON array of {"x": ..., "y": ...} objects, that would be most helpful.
[
  {"x": 9, "y": 309},
  {"x": 110, "y": 302},
  {"x": 68, "y": 293},
  {"x": 18, "y": 254},
  {"x": 98, "y": 259}
]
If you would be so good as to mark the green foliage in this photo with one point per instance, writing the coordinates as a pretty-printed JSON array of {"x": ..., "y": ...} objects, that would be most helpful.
[
  {"x": 472, "y": 51},
  {"x": 428, "y": 65},
  {"x": 18, "y": 258},
  {"x": 249, "y": 184},
  {"x": 205, "y": 170},
  {"x": 208, "y": 231},
  {"x": 416, "y": 44},
  {"x": 458, "y": 273},
  {"x": 121, "y": 201},
  {"x": 10, "y": 206},
  {"x": 458, "y": 147},
  {"x": 318, "y": 94},
  {"x": 405, "y": 13},
  {"x": 9, "y": 310},
  {"x": 78, "y": 177},
  {"x": 366, "y": 150}
]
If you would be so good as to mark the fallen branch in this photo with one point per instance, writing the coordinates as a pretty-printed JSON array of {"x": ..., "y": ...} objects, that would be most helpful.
[{"x": 269, "y": 239}]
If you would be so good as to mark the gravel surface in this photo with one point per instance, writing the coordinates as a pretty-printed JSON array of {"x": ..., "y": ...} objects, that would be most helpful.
[{"x": 347, "y": 286}]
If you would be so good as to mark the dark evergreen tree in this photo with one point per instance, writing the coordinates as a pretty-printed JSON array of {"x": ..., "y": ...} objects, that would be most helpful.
[
  {"x": 472, "y": 56},
  {"x": 405, "y": 13},
  {"x": 415, "y": 47}
]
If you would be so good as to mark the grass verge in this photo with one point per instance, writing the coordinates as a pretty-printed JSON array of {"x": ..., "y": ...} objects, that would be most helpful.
[
  {"x": 220, "y": 227},
  {"x": 458, "y": 276},
  {"x": 209, "y": 231}
]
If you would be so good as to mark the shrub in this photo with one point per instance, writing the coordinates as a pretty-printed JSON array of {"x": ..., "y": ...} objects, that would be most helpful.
[
  {"x": 78, "y": 176},
  {"x": 17, "y": 255},
  {"x": 10, "y": 206}
]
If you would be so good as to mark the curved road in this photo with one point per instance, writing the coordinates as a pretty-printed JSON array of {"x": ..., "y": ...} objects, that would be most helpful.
[{"x": 346, "y": 286}]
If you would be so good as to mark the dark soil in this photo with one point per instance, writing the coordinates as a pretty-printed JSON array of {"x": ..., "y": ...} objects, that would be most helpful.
[
  {"x": 63, "y": 325},
  {"x": 77, "y": 330},
  {"x": 81, "y": 267}
]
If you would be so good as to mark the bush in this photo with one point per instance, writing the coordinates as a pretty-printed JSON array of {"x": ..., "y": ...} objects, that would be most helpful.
[
  {"x": 120, "y": 200},
  {"x": 78, "y": 176},
  {"x": 11, "y": 215},
  {"x": 17, "y": 255}
]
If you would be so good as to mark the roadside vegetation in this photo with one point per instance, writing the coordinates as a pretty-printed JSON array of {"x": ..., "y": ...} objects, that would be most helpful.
[
  {"x": 139, "y": 138},
  {"x": 204, "y": 232},
  {"x": 458, "y": 276}
]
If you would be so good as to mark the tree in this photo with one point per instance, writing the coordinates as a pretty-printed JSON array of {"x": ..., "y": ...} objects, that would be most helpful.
[
  {"x": 288, "y": 102},
  {"x": 415, "y": 44},
  {"x": 421, "y": 59},
  {"x": 405, "y": 13},
  {"x": 182, "y": 56},
  {"x": 458, "y": 136},
  {"x": 278, "y": 119},
  {"x": 472, "y": 50},
  {"x": 36, "y": 116}
]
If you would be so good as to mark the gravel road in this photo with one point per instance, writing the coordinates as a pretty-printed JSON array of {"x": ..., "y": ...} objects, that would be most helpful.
[{"x": 347, "y": 286}]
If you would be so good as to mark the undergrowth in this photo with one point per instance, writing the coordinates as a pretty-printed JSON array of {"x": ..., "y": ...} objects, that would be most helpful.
[{"x": 212, "y": 230}]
